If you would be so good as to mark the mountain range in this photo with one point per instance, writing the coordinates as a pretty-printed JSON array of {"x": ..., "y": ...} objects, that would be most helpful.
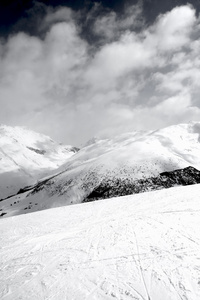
[{"x": 129, "y": 163}]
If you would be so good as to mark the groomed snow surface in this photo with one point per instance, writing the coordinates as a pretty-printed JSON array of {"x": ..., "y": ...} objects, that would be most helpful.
[{"x": 144, "y": 247}]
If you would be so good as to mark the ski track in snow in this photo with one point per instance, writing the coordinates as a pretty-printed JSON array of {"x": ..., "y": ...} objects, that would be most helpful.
[{"x": 141, "y": 247}]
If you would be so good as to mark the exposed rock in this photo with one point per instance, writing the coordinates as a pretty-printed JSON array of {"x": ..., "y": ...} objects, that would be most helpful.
[
  {"x": 38, "y": 151},
  {"x": 118, "y": 187}
]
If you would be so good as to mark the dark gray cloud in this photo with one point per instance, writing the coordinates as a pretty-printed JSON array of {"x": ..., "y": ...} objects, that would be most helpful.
[{"x": 70, "y": 88}]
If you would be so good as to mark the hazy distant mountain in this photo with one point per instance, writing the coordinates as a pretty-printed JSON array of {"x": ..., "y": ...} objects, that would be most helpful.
[
  {"x": 26, "y": 156},
  {"x": 132, "y": 162}
]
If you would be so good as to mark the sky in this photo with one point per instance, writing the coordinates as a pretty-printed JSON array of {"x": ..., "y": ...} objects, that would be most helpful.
[{"x": 78, "y": 69}]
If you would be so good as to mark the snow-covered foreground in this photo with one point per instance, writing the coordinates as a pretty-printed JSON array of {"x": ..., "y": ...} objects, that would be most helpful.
[{"x": 145, "y": 246}]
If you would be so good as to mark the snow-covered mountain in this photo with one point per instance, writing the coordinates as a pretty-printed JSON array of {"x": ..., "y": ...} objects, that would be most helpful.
[
  {"x": 129, "y": 159},
  {"x": 26, "y": 156},
  {"x": 141, "y": 247}
]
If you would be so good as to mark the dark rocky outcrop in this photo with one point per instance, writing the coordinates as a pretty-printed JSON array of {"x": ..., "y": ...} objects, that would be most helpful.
[
  {"x": 121, "y": 187},
  {"x": 74, "y": 149},
  {"x": 38, "y": 151}
]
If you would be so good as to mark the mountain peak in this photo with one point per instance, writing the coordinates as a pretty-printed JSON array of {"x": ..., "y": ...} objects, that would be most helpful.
[{"x": 26, "y": 156}]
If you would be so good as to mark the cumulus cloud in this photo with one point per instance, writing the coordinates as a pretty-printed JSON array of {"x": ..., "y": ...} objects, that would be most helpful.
[
  {"x": 137, "y": 77},
  {"x": 172, "y": 31}
]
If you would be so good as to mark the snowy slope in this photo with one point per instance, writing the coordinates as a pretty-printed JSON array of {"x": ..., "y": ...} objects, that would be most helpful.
[
  {"x": 141, "y": 247},
  {"x": 128, "y": 158},
  {"x": 26, "y": 156}
]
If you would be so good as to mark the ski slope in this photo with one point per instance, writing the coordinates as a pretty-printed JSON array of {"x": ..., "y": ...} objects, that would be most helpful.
[{"x": 144, "y": 247}]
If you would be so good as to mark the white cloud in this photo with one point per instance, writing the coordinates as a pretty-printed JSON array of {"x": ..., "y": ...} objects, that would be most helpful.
[
  {"x": 67, "y": 88},
  {"x": 172, "y": 30},
  {"x": 118, "y": 58}
]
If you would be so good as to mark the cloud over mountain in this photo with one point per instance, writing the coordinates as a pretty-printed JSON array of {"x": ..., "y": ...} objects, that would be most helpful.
[{"x": 130, "y": 76}]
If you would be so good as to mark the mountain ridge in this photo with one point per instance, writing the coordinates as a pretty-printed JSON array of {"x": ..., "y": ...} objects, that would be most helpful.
[
  {"x": 117, "y": 188},
  {"x": 26, "y": 156},
  {"x": 137, "y": 158}
]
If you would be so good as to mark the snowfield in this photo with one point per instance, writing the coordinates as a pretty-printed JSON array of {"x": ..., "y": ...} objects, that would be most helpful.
[{"x": 141, "y": 247}]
